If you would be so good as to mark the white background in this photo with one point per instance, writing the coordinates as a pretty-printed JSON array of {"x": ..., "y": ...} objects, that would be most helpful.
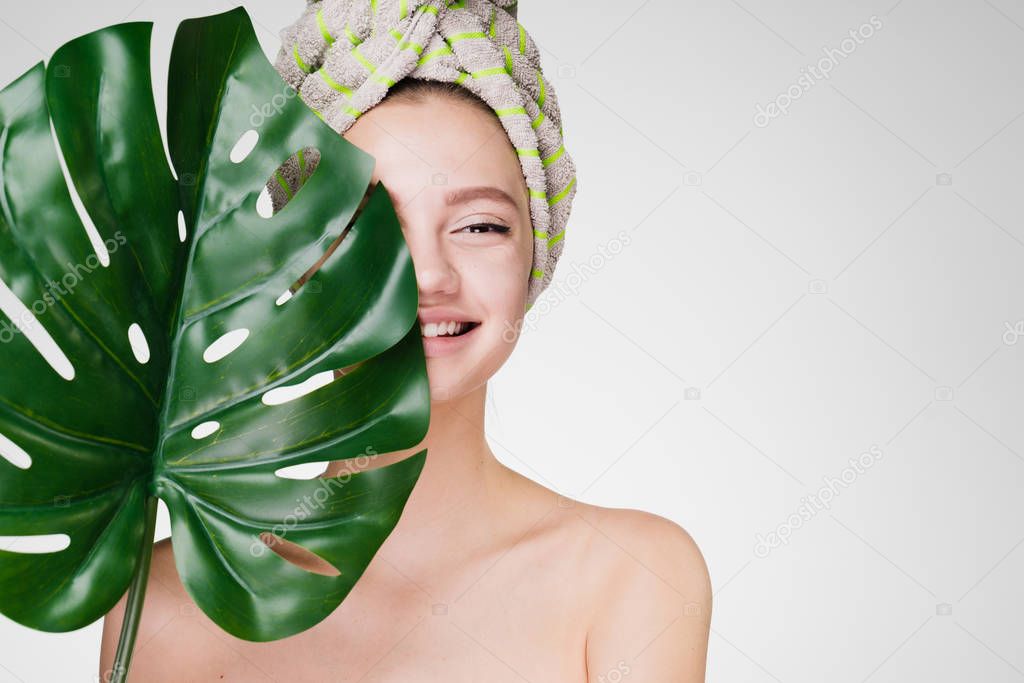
[{"x": 791, "y": 295}]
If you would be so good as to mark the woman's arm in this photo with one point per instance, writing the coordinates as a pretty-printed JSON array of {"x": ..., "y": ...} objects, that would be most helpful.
[{"x": 654, "y": 621}]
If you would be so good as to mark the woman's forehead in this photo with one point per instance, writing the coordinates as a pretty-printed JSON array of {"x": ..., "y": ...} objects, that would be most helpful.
[{"x": 440, "y": 142}]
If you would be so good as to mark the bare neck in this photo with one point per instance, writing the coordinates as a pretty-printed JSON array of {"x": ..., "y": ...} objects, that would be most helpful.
[{"x": 460, "y": 468}]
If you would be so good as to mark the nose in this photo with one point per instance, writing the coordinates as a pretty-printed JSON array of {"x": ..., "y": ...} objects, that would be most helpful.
[{"x": 436, "y": 275}]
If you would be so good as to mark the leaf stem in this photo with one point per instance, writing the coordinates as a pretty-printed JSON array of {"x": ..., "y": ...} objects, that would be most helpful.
[{"x": 136, "y": 597}]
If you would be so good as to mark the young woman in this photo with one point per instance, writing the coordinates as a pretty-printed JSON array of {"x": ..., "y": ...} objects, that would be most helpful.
[{"x": 488, "y": 576}]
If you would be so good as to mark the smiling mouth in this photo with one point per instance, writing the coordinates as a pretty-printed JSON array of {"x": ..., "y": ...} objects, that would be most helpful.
[{"x": 446, "y": 329}]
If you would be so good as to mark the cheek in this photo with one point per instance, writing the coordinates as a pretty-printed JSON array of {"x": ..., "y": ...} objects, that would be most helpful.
[
  {"x": 497, "y": 280},
  {"x": 498, "y": 268}
]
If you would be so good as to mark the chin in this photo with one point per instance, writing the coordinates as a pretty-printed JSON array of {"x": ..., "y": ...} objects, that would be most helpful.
[{"x": 456, "y": 374}]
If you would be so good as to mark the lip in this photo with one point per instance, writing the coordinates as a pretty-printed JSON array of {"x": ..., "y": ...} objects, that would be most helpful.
[
  {"x": 434, "y": 347},
  {"x": 441, "y": 314}
]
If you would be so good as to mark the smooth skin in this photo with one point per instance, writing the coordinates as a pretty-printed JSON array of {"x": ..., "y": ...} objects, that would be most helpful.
[{"x": 488, "y": 576}]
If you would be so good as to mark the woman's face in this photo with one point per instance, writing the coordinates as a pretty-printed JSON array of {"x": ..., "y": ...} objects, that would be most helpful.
[{"x": 448, "y": 168}]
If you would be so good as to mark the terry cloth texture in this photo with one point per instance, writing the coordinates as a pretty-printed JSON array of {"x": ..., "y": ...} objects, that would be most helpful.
[{"x": 341, "y": 56}]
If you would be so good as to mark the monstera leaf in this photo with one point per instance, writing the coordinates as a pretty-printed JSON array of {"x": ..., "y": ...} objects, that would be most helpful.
[{"x": 160, "y": 312}]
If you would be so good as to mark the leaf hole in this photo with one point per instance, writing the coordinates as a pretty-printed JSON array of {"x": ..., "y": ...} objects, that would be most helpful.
[
  {"x": 98, "y": 246},
  {"x": 265, "y": 204},
  {"x": 280, "y": 395},
  {"x": 245, "y": 145},
  {"x": 24, "y": 321},
  {"x": 297, "y": 555},
  {"x": 225, "y": 345},
  {"x": 201, "y": 431},
  {"x": 14, "y": 454},
  {"x": 305, "y": 277},
  {"x": 35, "y": 544},
  {"x": 341, "y": 372},
  {"x": 304, "y": 471},
  {"x": 182, "y": 228},
  {"x": 140, "y": 347},
  {"x": 287, "y": 181}
]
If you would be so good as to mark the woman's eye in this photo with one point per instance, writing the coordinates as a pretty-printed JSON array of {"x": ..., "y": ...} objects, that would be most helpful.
[{"x": 486, "y": 227}]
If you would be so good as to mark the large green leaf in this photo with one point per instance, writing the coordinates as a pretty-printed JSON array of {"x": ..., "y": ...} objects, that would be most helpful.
[{"x": 107, "y": 433}]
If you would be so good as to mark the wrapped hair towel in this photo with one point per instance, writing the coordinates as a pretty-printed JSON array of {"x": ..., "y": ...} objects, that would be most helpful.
[{"x": 341, "y": 56}]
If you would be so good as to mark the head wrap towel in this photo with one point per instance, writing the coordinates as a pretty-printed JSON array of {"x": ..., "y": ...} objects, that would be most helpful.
[{"x": 343, "y": 55}]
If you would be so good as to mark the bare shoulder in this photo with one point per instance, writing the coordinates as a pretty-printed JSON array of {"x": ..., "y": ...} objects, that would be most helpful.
[
  {"x": 615, "y": 544},
  {"x": 653, "y": 614},
  {"x": 161, "y": 635},
  {"x": 643, "y": 542}
]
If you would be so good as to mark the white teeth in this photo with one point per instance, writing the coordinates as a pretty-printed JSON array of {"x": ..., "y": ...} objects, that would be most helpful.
[{"x": 446, "y": 328}]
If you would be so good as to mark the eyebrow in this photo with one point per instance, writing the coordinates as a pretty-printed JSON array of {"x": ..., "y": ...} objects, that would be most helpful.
[{"x": 465, "y": 194}]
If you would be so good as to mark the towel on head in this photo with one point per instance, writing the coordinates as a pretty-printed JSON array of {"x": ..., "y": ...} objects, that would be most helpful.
[{"x": 341, "y": 56}]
